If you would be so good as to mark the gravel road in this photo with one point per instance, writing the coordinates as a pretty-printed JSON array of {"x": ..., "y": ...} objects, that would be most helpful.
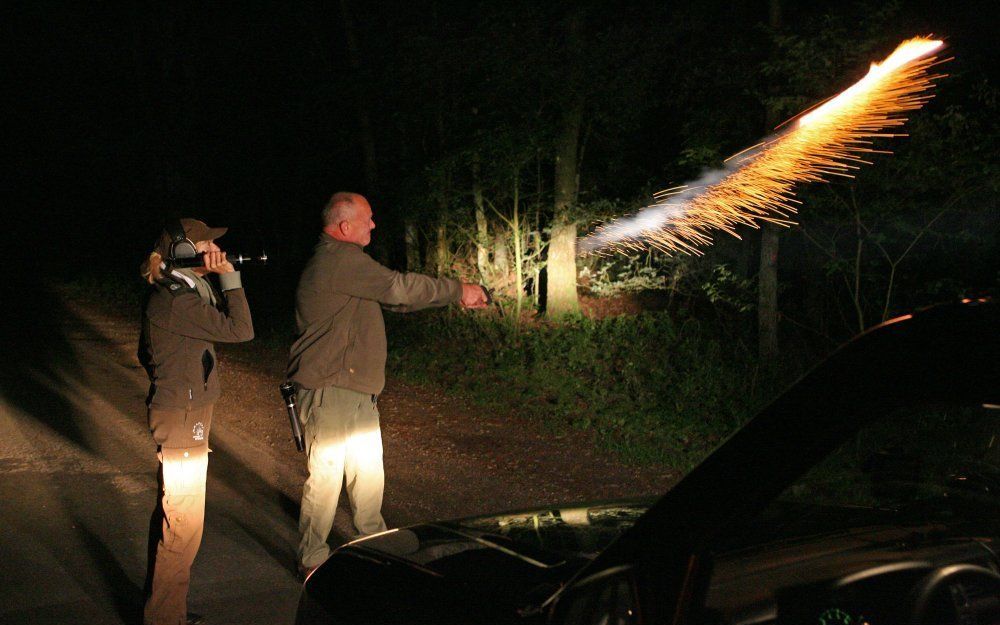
[
  {"x": 78, "y": 472},
  {"x": 78, "y": 483}
]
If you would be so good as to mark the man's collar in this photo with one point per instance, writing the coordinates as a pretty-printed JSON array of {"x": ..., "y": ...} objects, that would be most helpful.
[{"x": 325, "y": 238}]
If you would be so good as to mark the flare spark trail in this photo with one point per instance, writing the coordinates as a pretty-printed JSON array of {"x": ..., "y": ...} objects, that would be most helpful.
[{"x": 757, "y": 184}]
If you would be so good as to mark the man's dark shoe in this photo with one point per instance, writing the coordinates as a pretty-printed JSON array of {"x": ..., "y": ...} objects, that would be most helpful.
[{"x": 195, "y": 619}]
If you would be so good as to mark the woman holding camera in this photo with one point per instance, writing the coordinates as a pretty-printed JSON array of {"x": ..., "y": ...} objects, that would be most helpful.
[{"x": 182, "y": 317}]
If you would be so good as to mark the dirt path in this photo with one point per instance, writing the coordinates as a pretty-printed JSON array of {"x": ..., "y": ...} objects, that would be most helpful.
[
  {"x": 444, "y": 458},
  {"x": 77, "y": 472}
]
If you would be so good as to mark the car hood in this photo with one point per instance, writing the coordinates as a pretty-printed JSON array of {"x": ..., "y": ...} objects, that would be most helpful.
[{"x": 511, "y": 562}]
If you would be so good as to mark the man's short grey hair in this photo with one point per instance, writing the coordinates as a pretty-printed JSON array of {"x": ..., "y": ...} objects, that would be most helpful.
[{"x": 339, "y": 208}]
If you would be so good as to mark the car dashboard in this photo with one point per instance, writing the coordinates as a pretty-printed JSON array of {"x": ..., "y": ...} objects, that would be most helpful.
[{"x": 880, "y": 576}]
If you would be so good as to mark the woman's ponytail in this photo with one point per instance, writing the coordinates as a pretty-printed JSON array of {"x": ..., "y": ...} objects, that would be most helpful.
[{"x": 152, "y": 268}]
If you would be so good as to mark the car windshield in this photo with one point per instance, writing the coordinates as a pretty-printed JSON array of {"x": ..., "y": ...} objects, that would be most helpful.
[{"x": 915, "y": 467}]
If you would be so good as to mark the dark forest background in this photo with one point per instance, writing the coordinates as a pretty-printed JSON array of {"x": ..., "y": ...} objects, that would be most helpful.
[{"x": 488, "y": 136}]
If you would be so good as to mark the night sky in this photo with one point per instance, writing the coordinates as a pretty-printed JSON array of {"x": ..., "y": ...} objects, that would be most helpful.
[{"x": 245, "y": 117}]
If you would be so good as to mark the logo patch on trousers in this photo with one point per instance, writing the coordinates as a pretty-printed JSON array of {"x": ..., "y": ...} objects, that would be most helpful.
[{"x": 198, "y": 431}]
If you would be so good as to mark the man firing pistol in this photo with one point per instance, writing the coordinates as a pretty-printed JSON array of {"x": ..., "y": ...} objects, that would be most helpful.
[{"x": 338, "y": 365}]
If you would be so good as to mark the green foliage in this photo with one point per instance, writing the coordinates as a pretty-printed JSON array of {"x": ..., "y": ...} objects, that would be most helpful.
[
  {"x": 726, "y": 288},
  {"x": 651, "y": 388},
  {"x": 624, "y": 274}
]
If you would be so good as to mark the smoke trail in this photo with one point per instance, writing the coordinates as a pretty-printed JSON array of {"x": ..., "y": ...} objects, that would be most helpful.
[
  {"x": 757, "y": 184},
  {"x": 668, "y": 206}
]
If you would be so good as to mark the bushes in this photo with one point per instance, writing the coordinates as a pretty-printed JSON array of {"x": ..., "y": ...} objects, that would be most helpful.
[{"x": 652, "y": 388}]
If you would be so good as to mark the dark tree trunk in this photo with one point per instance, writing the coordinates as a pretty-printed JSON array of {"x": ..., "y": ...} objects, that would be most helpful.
[
  {"x": 412, "y": 238},
  {"x": 441, "y": 245},
  {"x": 366, "y": 133},
  {"x": 767, "y": 277},
  {"x": 767, "y": 293},
  {"x": 441, "y": 254}
]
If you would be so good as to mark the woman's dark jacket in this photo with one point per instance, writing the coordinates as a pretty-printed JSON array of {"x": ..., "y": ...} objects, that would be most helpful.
[{"x": 176, "y": 343}]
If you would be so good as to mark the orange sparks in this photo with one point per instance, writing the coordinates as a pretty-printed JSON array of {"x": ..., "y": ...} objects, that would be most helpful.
[{"x": 757, "y": 184}]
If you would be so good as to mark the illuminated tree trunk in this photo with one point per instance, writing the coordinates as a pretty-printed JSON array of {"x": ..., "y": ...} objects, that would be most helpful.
[
  {"x": 501, "y": 258},
  {"x": 560, "y": 285},
  {"x": 482, "y": 233},
  {"x": 767, "y": 277},
  {"x": 515, "y": 226}
]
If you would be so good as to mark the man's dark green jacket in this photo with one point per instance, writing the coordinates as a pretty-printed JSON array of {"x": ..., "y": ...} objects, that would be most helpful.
[{"x": 338, "y": 310}]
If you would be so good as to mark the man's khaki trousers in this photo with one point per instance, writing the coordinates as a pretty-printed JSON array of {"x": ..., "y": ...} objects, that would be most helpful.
[
  {"x": 343, "y": 442},
  {"x": 182, "y": 436}
]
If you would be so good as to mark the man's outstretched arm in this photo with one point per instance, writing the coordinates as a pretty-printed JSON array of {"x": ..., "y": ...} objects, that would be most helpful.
[{"x": 362, "y": 276}]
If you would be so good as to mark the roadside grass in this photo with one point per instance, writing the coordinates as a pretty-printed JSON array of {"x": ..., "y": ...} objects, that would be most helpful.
[{"x": 651, "y": 388}]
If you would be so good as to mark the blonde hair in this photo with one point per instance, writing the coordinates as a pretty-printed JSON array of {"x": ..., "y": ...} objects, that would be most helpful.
[{"x": 151, "y": 269}]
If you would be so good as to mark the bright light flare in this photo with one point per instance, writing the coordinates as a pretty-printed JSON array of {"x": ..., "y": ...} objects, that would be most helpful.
[
  {"x": 757, "y": 184},
  {"x": 908, "y": 51}
]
